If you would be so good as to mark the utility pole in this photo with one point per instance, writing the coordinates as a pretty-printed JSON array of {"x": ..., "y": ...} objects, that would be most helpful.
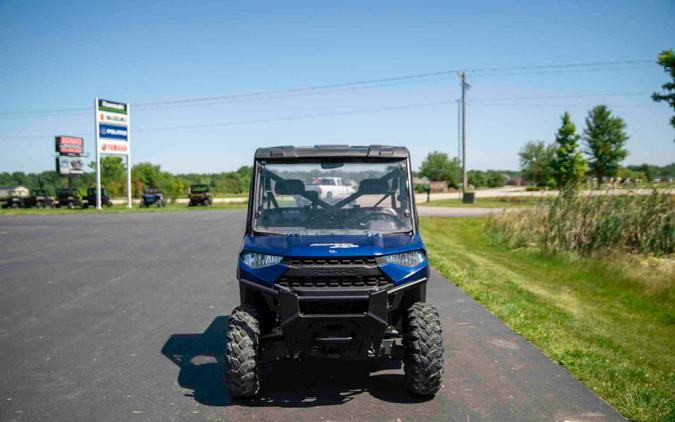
[
  {"x": 465, "y": 86},
  {"x": 459, "y": 144}
]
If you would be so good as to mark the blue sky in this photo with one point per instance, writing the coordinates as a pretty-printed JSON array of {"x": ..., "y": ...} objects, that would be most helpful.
[{"x": 60, "y": 55}]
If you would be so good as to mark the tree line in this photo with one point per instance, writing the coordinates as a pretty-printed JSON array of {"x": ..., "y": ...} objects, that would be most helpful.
[
  {"x": 143, "y": 176},
  {"x": 438, "y": 166}
]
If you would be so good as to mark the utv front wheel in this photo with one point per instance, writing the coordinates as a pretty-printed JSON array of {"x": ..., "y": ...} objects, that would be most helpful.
[
  {"x": 423, "y": 361},
  {"x": 241, "y": 372}
]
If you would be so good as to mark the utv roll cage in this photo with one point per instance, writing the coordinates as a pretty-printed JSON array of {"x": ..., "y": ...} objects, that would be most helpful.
[{"x": 326, "y": 153}]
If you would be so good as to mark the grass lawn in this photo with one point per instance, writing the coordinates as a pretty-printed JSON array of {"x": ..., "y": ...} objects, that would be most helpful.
[
  {"x": 503, "y": 202},
  {"x": 610, "y": 322},
  {"x": 120, "y": 209}
]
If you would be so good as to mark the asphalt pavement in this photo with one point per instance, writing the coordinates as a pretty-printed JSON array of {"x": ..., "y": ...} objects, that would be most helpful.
[
  {"x": 456, "y": 211},
  {"x": 122, "y": 317}
]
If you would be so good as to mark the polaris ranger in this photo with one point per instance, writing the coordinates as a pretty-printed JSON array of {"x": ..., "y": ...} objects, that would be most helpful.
[
  {"x": 39, "y": 199},
  {"x": 66, "y": 197},
  {"x": 343, "y": 280},
  {"x": 200, "y": 195},
  {"x": 91, "y": 198},
  {"x": 13, "y": 201},
  {"x": 152, "y": 197}
]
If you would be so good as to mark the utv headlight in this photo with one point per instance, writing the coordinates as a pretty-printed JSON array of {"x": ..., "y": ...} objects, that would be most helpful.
[
  {"x": 406, "y": 259},
  {"x": 258, "y": 260}
]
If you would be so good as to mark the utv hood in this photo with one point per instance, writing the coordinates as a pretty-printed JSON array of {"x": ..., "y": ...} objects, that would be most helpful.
[
  {"x": 332, "y": 246},
  {"x": 296, "y": 245}
]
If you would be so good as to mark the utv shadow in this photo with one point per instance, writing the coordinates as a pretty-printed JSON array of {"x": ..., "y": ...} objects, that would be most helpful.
[{"x": 288, "y": 382}]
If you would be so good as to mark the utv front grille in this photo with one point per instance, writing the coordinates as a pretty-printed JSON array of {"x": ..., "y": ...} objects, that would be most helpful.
[
  {"x": 355, "y": 281},
  {"x": 326, "y": 272},
  {"x": 330, "y": 261}
]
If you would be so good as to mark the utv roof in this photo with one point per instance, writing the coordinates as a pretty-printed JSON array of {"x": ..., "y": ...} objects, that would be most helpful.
[{"x": 337, "y": 152}]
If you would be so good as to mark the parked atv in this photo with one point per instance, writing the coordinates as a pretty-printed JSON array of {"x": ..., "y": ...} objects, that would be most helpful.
[
  {"x": 39, "y": 199},
  {"x": 13, "y": 201},
  {"x": 91, "y": 198},
  {"x": 200, "y": 195},
  {"x": 342, "y": 280},
  {"x": 66, "y": 197},
  {"x": 152, "y": 197}
]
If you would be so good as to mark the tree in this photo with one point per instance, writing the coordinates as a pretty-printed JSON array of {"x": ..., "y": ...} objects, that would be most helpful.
[
  {"x": 495, "y": 179},
  {"x": 568, "y": 165},
  {"x": 476, "y": 178},
  {"x": 667, "y": 59},
  {"x": 605, "y": 138},
  {"x": 147, "y": 175},
  {"x": 437, "y": 166},
  {"x": 113, "y": 171},
  {"x": 535, "y": 162}
]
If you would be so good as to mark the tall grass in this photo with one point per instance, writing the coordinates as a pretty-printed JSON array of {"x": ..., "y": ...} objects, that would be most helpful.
[{"x": 591, "y": 223}]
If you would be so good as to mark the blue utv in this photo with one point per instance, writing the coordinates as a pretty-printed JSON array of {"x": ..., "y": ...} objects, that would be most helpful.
[
  {"x": 152, "y": 197},
  {"x": 345, "y": 279}
]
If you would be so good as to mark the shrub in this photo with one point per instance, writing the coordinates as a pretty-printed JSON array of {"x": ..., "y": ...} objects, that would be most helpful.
[{"x": 586, "y": 224}]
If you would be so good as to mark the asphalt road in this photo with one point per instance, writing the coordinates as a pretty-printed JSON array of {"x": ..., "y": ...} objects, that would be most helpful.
[
  {"x": 122, "y": 317},
  {"x": 456, "y": 211}
]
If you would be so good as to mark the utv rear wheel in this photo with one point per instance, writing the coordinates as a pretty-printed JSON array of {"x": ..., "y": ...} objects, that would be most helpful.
[
  {"x": 423, "y": 361},
  {"x": 241, "y": 366}
]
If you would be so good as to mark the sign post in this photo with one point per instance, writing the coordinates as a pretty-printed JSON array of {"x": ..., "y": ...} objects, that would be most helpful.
[
  {"x": 70, "y": 150},
  {"x": 129, "y": 156},
  {"x": 112, "y": 137}
]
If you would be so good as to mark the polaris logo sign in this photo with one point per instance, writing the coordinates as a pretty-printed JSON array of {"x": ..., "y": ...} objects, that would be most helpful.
[{"x": 115, "y": 132}]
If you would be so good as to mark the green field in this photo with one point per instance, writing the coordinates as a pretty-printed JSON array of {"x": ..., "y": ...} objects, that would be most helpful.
[
  {"x": 503, "y": 202},
  {"x": 609, "y": 321},
  {"x": 119, "y": 209}
]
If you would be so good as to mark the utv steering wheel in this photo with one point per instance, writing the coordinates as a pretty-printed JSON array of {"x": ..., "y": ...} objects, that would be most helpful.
[{"x": 374, "y": 215}]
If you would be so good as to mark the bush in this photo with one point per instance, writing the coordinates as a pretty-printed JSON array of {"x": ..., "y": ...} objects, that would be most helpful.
[{"x": 587, "y": 224}]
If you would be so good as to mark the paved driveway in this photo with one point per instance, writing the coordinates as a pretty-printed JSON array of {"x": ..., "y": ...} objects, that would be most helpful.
[{"x": 122, "y": 317}]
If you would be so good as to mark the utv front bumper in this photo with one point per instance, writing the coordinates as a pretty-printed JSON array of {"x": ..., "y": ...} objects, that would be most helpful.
[{"x": 355, "y": 323}]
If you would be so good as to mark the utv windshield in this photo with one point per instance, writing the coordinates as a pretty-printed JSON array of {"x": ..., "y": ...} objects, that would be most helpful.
[
  {"x": 339, "y": 198},
  {"x": 92, "y": 192},
  {"x": 199, "y": 188}
]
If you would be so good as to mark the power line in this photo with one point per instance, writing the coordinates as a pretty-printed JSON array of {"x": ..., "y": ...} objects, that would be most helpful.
[
  {"x": 554, "y": 71},
  {"x": 353, "y": 112},
  {"x": 491, "y": 71},
  {"x": 73, "y": 112},
  {"x": 557, "y": 97},
  {"x": 567, "y": 65},
  {"x": 559, "y": 105},
  {"x": 254, "y": 121}
]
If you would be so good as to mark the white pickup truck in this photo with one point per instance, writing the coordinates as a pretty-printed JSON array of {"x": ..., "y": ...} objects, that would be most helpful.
[{"x": 330, "y": 188}]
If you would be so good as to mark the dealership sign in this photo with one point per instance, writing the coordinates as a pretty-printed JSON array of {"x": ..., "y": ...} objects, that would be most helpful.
[
  {"x": 67, "y": 165},
  {"x": 112, "y": 127},
  {"x": 69, "y": 145},
  {"x": 112, "y": 122}
]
